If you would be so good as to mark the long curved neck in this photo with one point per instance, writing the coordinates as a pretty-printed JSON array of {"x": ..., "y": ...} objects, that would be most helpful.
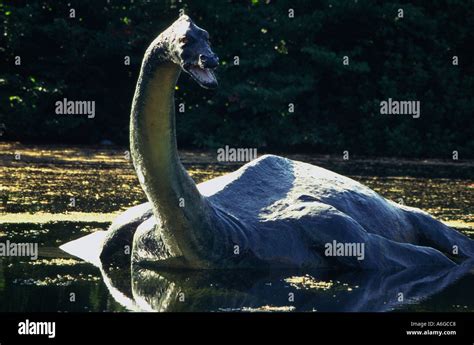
[{"x": 181, "y": 212}]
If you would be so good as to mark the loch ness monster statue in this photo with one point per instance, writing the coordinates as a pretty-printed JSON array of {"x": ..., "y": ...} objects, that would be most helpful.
[{"x": 272, "y": 212}]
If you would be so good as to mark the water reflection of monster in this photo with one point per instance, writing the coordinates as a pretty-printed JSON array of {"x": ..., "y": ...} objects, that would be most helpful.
[
  {"x": 273, "y": 212},
  {"x": 213, "y": 290}
]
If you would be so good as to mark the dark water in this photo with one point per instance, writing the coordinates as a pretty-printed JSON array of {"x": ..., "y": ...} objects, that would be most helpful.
[
  {"x": 38, "y": 188},
  {"x": 47, "y": 284}
]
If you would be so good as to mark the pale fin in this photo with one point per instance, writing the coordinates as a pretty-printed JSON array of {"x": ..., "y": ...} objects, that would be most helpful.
[{"x": 87, "y": 248}]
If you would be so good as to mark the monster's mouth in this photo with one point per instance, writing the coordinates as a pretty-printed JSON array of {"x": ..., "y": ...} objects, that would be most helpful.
[{"x": 205, "y": 77}]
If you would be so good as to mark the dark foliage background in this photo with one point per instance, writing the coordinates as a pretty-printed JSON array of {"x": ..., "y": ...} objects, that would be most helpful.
[{"x": 282, "y": 60}]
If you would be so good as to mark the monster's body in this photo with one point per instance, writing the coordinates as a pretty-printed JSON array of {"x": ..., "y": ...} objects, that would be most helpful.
[
  {"x": 273, "y": 212},
  {"x": 289, "y": 216}
]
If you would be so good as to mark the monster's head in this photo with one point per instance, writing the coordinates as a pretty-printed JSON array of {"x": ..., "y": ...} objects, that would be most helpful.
[{"x": 188, "y": 46}]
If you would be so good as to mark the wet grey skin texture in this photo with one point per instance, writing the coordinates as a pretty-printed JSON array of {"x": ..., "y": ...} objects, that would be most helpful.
[{"x": 272, "y": 212}]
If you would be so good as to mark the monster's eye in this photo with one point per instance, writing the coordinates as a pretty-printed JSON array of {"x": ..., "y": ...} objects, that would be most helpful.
[{"x": 183, "y": 40}]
